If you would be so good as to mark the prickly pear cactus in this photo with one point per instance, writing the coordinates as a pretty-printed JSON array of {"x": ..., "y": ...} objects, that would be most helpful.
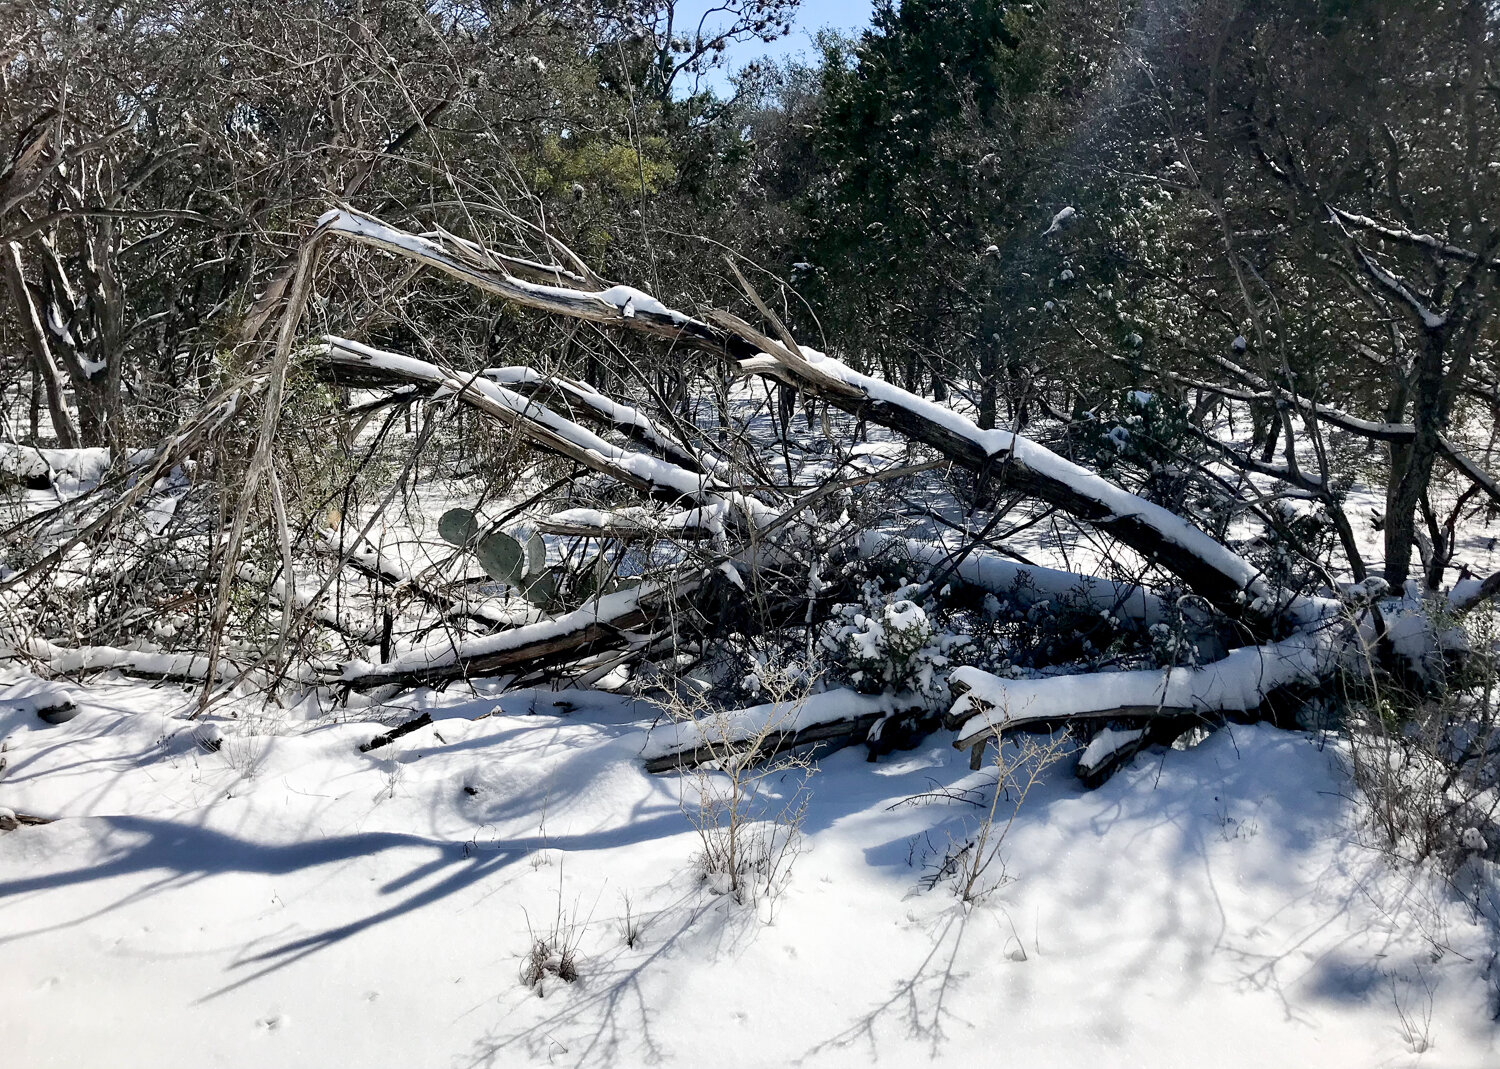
[
  {"x": 458, "y": 526},
  {"x": 502, "y": 558}
]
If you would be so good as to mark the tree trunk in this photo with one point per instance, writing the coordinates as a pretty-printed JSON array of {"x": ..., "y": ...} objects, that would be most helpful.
[
  {"x": 45, "y": 368},
  {"x": 1411, "y": 473},
  {"x": 989, "y": 376}
]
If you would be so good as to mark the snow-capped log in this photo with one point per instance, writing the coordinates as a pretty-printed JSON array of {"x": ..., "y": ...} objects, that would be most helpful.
[
  {"x": 1225, "y": 579},
  {"x": 1023, "y": 584},
  {"x": 27, "y": 466},
  {"x": 10, "y": 820},
  {"x": 1470, "y": 594},
  {"x": 622, "y": 619},
  {"x": 1228, "y": 581},
  {"x": 1243, "y": 683},
  {"x": 1107, "y": 751},
  {"x": 351, "y": 363},
  {"x": 57, "y": 660},
  {"x": 48, "y": 702},
  {"x": 839, "y": 717}
]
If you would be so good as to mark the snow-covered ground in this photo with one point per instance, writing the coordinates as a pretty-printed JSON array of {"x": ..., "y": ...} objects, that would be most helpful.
[{"x": 286, "y": 900}]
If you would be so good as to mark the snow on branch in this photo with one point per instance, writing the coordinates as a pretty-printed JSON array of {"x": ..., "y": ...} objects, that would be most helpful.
[
  {"x": 635, "y": 523},
  {"x": 1404, "y": 236},
  {"x": 603, "y": 623},
  {"x": 621, "y": 306},
  {"x": 1430, "y": 319},
  {"x": 543, "y": 427},
  {"x": 773, "y": 727},
  {"x": 1027, "y": 584},
  {"x": 628, "y": 419},
  {"x": 1270, "y": 393},
  {"x": 1214, "y": 570},
  {"x": 140, "y": 662}
]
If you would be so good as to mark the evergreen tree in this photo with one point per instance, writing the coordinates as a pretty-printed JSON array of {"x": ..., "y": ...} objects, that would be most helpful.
[{"x": 940, "y": 134}]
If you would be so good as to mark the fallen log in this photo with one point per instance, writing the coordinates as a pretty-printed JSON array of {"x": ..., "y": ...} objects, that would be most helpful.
[
  {"x": 760, "y": 732},
  {"x": 1108, "y": 751},
  {"x": 607, "y": 622},
  {"x": 396, "y": 732},
  {"x": 10, "y": 820},
  {"x": 701, "y": 597},
  {"x": 141, "y": 664},
  {"x": 1244, "y": 683}
]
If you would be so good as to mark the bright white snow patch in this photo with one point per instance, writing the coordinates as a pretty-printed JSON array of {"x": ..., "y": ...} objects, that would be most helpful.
[
  {"x": 287, "y": 900},
  {"x": 1061, "y": 219}
]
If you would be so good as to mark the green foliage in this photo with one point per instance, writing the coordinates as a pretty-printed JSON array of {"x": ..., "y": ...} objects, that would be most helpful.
[
  {"x": 935, "y": 144},
  {"x": 501, "y": 557},
  {"x": 573, "y": 166},
  {"x": 890, "y": 642},
  {"x": 504, "y": 558},
  {"x": 1145, "y": 430}
]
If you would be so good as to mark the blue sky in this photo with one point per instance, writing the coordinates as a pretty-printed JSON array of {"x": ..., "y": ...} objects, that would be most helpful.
[{"x": 812, "y": 16}]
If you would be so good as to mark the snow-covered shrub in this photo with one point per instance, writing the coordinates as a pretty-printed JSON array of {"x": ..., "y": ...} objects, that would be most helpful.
[
  {"x": 1144, "y": 430},
  {"x": 889, "y": 643},
  {"x": 1185, "y": 636},
  {"x": 554, "y": 952},
  {"x": 1424, "y": 738}
]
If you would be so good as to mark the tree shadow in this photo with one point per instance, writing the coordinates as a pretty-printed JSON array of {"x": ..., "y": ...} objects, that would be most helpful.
[
  {"x": 606, "y": 1009},
  {"x": 919, "y": 1001},
  {"x": 187, "y": 854}
]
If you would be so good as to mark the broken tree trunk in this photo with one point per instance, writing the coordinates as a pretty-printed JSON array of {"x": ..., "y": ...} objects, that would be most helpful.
[
  {"x": 760, "y": 732},
  {"x": 610, "y": 622},
  {"x": 1245, "y": 683},
  {"x": 350, "y": 363}
]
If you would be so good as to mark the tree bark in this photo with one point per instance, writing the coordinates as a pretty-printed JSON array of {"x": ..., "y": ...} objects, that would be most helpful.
[{"x": 43, "y": 365}]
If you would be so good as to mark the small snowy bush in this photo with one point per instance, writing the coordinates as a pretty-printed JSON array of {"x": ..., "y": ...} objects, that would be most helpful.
[
  {"x": 890, "y": 644},
  {"x": 1145, "y": 430},
  {"x": 553, "y": 954},
  {"x": 1425, "y": 737}
]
